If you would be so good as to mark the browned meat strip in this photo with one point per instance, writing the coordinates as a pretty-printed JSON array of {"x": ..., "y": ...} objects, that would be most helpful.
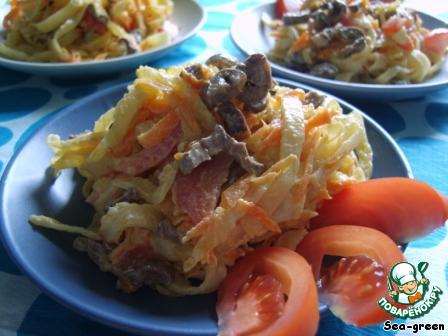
[{"x": 219, "y": 141}]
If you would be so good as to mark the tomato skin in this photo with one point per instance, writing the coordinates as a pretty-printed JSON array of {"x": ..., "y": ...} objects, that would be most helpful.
[
  {"x": 349, "y": 241},
  {"x": 301, "y": 311},
  {"x": 436, "y": 41},
  {"x": 402, "y": 208},
  {"x": 285, "y": 6}
]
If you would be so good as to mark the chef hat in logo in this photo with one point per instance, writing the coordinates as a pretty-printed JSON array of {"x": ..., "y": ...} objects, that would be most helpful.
[{"x": 402, "y": 273}]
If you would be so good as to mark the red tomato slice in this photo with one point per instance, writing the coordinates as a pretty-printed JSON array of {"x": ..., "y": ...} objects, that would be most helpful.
[
  {"x": 352, "y": 284},
  {"x": 347, "y": 241},
  {"x": 285, "y": 6},
  {"x": 436, "y": 41},
  {"x": 402, "y": 208},
  {"x": 251, "y": 299}
]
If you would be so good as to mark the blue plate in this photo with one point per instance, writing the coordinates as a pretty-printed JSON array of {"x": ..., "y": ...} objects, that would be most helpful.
[
  {"x": 188, "y": 15},
  {"x": 48, "y": 258},
  {"x": 250, "y": 36}
]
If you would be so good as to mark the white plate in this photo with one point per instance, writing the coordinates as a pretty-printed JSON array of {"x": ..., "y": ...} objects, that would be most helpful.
[
  {"x": 188, "y": 16},
  {"x": 250, "y": 36}
]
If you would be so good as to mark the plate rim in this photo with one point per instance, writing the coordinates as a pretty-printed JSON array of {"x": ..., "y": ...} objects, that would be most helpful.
[
  {"x": 82, "y": 308},
  {"x": 92, "y": 64},
  {"x": 331, "y": 83}
]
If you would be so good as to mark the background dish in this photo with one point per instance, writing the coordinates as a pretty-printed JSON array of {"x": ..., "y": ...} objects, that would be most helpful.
[
  {"x": 251, "y": 36},
  {"x": 47, "y": 257},
  {"x": 188, "y": 16}
]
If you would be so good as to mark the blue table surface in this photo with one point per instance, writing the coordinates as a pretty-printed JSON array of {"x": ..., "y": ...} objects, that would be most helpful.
[{"x": 420, "y": 126}]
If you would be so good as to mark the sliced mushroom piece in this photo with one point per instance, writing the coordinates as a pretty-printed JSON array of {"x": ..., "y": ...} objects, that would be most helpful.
[
  {"x": 259, "y": 82},
  {"x": 350, "y": 34},
  {"x": 234, "y": 120},
  {"x": 354, "y": 48},
  {"x": 196, "y": 74},
  {"x": 224, "y": 86},
  {"x": 219, "y": 141},
  {"x": 221, "y": 62},
  {"x": 314, "y": 98},
  {"x": 325, "y": 70},
  {"x": 323, "y": 38}
]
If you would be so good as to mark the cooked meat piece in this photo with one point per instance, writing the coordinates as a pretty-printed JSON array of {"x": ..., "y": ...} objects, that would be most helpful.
[
  {"x": 234, "y": 121},
  {"x": 166, "y": 230},
  {"x": 217, "y": 142},
  {"x": 135, "y": 263},
  {"x": 152, "y": 273},
  {"x": 235, "y": 172},
  {"x": 314, "y": 98},
  {"x": 129, "y": 195},
  {"x": 259, "y": 82},
  {"x": 221, "y": 62},
  {"x": 224, "y": 86},
  {"x": 99, "y": 253},
  {"x": 325, "y": 70}
]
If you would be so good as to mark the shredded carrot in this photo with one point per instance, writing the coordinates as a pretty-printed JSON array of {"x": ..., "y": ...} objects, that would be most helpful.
[
  {"x": 259, "y": 215},
  {"x": 125, "y": 147},
  {"x": 253, "y": 121},
  {"x": 272, "y": 140},
  {"x": 301, "y": 42},
  {"x": 160, "y": 131},
  {"x": 324, "y": 117}
]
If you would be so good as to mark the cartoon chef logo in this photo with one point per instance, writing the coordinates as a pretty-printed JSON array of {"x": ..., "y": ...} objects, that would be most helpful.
[
  {"x": 410, "y": 286},
  {"x": 409, "y": 293}
]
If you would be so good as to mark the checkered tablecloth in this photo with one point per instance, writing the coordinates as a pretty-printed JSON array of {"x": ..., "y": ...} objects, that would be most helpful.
[{"x": 420, "y": 127}]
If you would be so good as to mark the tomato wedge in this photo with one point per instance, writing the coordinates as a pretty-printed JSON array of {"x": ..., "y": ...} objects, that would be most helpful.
[
  {"x": 251, "y": 299},
  {"x": 436, "y": 41},
  {"x": 402, "y": 208},
  {"x": 347, "y": 241},
  {"x": 350, "y": 283}
]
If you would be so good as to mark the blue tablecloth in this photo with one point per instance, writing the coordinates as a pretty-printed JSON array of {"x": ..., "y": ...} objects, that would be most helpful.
[{"x": 420, "y": 126}]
